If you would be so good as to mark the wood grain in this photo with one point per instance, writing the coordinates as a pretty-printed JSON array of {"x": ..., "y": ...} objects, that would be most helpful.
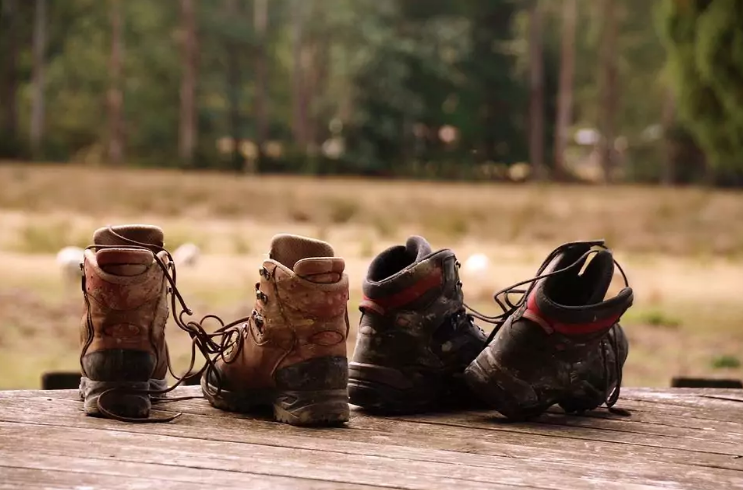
[{"x": 679, "y": 438}]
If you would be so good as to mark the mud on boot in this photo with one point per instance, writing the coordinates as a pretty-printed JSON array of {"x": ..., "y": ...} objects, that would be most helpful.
[
  {"x": 562, "y": 343},
  {"x": 414, "y": 338},
  {"x": 290, "y": 356}
]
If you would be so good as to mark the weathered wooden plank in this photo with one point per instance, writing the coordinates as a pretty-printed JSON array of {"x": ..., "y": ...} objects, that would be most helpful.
[
  {"x": 640, "y": 391},
  {"x": 64, "y": 471},
  {"x": 642, "y": 427},
  {"x": 725, "y": 399},
  {"x": 247, "y": 458},
  {"x": 485, "y": 422},
  {"x": 551, "y": 455},
  {"x": 62, "y": 394},
  {"x": 683, "y": 406},
  {"x": 326, "y": 465},
  {"x": 25, "y": 478},
  {"x": 668, "y": 415},
  {"x": 714, "y": 423},
  {"x": 676, "y": 395},
  {"x": 659, "y": 416},
  {"x": 552, "y": 446},
  {"x": 705, "y": 433}
]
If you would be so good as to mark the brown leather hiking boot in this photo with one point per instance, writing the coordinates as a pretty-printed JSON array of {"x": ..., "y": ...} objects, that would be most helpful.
[
  {"x": 122, "y": 332},
  {"x": 291, "y": 354}
]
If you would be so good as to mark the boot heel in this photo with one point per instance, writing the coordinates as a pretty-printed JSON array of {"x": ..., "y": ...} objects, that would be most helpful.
[
  {"x": 508, "y": 395},
  {"x": 120, "y": 401},
  {"x": 321, "y": 407},
  {"x": 386, "y": 390},
  {"x": 124, "y": 373},
  {"x": 313, "y": 392}
]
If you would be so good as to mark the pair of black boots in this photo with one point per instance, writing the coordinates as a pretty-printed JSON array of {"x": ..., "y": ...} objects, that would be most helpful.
[{"x": 419, "y": 349}]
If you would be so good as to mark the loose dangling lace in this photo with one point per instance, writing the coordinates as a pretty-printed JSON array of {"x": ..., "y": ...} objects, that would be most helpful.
[
  {"x": 212, "y": 346},
  {"x": 508, "y": 307}
]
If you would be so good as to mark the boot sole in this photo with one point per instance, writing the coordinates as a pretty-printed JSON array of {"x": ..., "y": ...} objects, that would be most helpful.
[
  {"x": 304, "y": 408},
  {"x": 385, "y": 390},
  {"x": 122, "y": 403},
  {"x": 512, "y": 397}
]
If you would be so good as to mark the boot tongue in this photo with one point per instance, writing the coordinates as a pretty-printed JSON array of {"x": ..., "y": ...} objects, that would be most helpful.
[
  {"x": 290, "y": 249},
  {"x": 146, "y": 235},
  {"x": 127, "y": 261},
  {"x": 574, "y": 288},
  {"x": 327, "y": 270},
  {"x": 599, "y": 272}
]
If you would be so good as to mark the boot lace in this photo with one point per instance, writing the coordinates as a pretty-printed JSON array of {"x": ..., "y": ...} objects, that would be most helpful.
[
  {"x": 503, "y": 300},
  {"x": 461, "y": 319},
  {"x": 212, "y": 346}
]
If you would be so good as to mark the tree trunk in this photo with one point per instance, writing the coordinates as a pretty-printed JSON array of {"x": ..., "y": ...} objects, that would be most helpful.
[
  {"x": 565, "y": 87},
  {"x": 187, "y": 133},
  {"x": 668, "y": 176},
  {"x": 37, "y": 106},
  {"x": 115, "y": 94},
  {"x": 311, "y": 73},
  {"x": 260, "y": 21},
  {"x": 536, "y": 92},
  {"x": 608, "y": 106},
  {"x": 299, "y": 99},
  {"x": 316, "y": 72},
  {"x": 8, "y": 99},
  {"x": 233, "y": 88}
]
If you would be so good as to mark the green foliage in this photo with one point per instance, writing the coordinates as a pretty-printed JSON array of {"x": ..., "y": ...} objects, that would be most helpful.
[
  {"x": 383, "y": 76},
  {"x": 726, "y": 361},
  {"x": 704, "y": 39},
  {"x": 381, "y": 69},
  {"x": 448, "y": 64}
]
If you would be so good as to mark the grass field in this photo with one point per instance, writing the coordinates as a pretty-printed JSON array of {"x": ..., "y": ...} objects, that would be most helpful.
[{"x": 682, "y": 250}]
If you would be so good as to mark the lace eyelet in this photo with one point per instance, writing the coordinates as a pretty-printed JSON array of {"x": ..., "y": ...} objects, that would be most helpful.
[{"x": 258, "y": 321}]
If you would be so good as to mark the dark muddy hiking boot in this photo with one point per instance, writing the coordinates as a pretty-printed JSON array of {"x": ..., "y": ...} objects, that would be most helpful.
[
  {"x": 414, "y": 339},
  {"x": 123, "y": 328},
  {"x": 291, "y": 354},
  {"x": 561, "y": 343}
]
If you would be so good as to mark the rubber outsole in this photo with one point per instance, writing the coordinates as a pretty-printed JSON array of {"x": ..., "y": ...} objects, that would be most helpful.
[
  {"x": 381, "y": 399},
  {"x": 304, "y": 408},
  {"x": 385, "y": 390},
  {"x": 512, "y": 397},
  {"x": 122, "y": 400}
]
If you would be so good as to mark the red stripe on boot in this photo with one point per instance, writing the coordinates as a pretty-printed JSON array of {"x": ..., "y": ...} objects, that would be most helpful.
[
  {"x": 410, "y": 294},
  {"x": 534, "y": 314}
]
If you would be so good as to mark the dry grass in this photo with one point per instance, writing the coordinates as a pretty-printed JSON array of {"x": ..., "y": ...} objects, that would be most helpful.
[
  {"x": 682, "y": 250},
  {"x": 634, "y": 219}
]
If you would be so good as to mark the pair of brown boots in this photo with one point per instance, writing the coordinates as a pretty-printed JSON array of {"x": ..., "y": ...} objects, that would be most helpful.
[{"x": 290, "y": 354}]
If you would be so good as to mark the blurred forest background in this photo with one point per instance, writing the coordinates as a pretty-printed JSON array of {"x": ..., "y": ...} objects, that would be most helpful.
[
  {"x": 362, "y": 122},
  {"x": 608, "y": 90}
]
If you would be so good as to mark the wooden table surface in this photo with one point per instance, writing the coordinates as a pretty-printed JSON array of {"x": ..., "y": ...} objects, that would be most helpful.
[{"x": 675, "y": 438}]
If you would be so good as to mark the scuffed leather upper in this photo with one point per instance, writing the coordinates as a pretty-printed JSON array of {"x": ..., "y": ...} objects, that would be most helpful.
[
  {"x": 128, "y": 312},
  {"x": 302, "y": 320}
]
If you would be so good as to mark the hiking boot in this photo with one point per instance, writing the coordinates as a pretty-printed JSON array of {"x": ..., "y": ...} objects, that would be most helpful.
[
  {"x": 414, "y": 339},
  {"x": 561, "y": 343},
  {"x": 123, "y": 328},
  {"x": 291, "y": 354}
]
